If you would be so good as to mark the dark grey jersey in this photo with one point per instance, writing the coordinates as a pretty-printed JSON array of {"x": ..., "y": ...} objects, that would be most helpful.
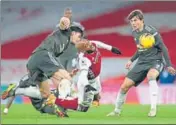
[
  {"x": 68, "y": 57},
  {"x": 156, "y": 52},
  {"x": 56, "y": 42}
]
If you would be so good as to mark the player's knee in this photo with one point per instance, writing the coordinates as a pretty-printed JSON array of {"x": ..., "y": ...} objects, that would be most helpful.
[
  {"x": 56, "y": 76},
  {"x": 124, "y": 88},
  {"x": 44, "y": 93},
  {"x": 127, "y": 84},
  {"x": 89, "y": 88},
  {"x": 152, "y": 74}
]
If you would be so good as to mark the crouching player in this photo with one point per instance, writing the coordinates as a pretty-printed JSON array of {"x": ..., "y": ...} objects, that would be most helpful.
[{"x": 88, "y": 80}]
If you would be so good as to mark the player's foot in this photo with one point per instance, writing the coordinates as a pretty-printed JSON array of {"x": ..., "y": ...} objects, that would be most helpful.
[
  {"x": 152, "y": 112},
  {"x": 10, "y": 91},
  {"x": 113, "y": 114},
  {"x": 96, "y": 100},
  {"x": 95, "y": 103},
  {"x": 60, "y": 112}
]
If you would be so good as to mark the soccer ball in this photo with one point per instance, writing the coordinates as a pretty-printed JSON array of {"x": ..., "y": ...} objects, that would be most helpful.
[{"x": 147, "y": 40}]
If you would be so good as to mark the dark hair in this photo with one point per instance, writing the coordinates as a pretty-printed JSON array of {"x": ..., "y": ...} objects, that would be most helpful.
[
  {"x": 137, "y": 13},
  {"x": 76, "y": 29},
  {"x": 67, "y": 9}
]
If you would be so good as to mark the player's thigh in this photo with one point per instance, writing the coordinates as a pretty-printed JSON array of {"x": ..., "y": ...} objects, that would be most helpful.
[
  {"x": 136, "y": 75},
  {"x": 156, "y": 68},
  {"x": 64, "y": 88},
  {"x": 127, "y": 84},
  {"x": 45, "y": 88}
]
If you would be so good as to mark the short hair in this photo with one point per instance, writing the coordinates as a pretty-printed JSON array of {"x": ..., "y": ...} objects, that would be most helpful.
[
  {"x": 68, "y": 9},
  {"x": 137, "y": 13}
]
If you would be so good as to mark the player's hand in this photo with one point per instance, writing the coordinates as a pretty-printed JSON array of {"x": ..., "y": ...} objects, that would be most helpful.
[
  {"x": 116, "y": 50},
  {"x": 171, "y": 70},
  {"x": 64, "y": 23},
  {"x": 128, "y": 65},
  {"x": 62, "y": 74},
  {"x": 73, "y": 72}
]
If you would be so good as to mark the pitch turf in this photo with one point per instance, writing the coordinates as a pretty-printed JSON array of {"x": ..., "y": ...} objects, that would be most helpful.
[{"x": 132, "y": 114}]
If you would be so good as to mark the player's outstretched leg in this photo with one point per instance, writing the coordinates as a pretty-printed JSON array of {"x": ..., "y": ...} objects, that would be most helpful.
[
  {"x": 121, "y": 97},
  {"x": 8, "y": 105},
  {"x": 10, "y": 91}
]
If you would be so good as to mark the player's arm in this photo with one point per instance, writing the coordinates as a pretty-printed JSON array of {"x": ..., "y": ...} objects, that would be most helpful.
[
  {"x": 134, "y": 57},
  {"x": 102, "y": 45},
  {"x": 160, "y": 44}
]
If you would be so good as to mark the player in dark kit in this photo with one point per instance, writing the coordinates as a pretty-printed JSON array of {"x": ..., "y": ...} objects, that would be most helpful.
[
  {"x": 42, "y": 64},
  {"x": 33, "y": 93},
  {"x": 150, "y": 63},
  {"x": 68, "y": 57}
]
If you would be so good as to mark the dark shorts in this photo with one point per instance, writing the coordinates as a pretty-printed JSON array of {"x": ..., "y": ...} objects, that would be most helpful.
[
  {"x": 139, "y": 72},
  {"x": 44, "y": 63}
]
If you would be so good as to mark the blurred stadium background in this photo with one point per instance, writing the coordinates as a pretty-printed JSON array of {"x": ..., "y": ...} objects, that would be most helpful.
[{"x": 26, "y": 23}]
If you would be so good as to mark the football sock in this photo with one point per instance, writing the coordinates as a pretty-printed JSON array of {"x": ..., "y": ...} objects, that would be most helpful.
[
  {"x": 67, "y": 104},
  {"x": 29, "y": 91},
  {"x": 121, "y": 97},
  {"x": 153, "y": 87}
]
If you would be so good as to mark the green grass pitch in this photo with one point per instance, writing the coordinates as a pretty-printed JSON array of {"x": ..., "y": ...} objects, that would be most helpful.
[{"x": 132, "y": 114}]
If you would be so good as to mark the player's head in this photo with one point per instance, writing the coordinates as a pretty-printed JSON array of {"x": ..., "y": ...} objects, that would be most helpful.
[
  {"x": 136, "y": 19},
  {"x": 85, "y": 46},
  {"x": 76, "y": 32},
  {"x": 68, "y": 13}
]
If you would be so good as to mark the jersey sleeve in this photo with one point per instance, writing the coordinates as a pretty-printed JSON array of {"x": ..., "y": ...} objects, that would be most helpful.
[
  {"x": 160, "y": 44},
  {"x": 102, "y": 45},
  {"x": 135, "y": 56}
]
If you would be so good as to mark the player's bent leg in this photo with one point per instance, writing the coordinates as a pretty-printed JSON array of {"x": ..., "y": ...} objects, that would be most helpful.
[
  {"x": 153, "y": 87},
  {"x": 121, "y": 96},
  {"x": 46, "y": 93}
]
